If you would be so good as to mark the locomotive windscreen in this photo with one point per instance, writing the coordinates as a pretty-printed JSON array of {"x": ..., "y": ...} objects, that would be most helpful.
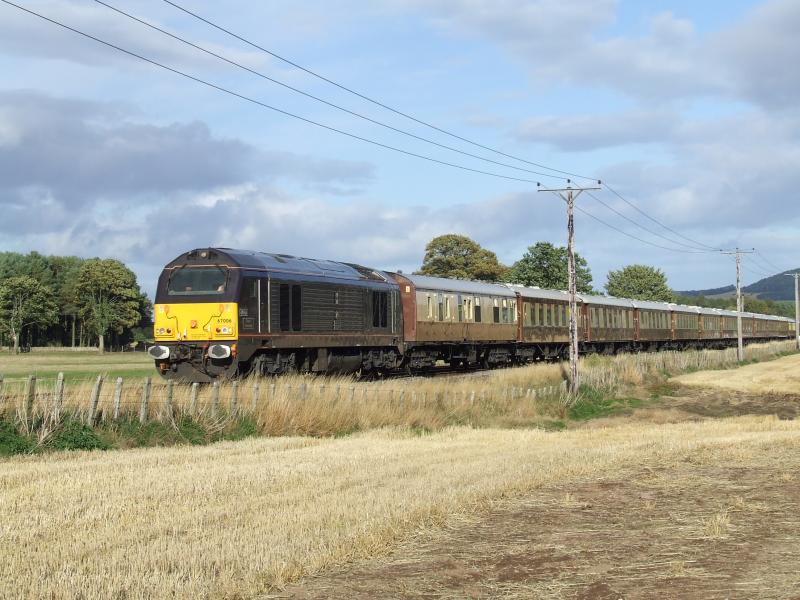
[{"x": 198, "y": 280}]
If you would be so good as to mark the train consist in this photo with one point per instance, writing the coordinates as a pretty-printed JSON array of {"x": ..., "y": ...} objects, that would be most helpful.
[{"x": 226, "y": 313}]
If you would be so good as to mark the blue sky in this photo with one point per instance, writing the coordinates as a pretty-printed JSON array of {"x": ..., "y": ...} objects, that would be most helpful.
[{"x": 689, "y": 109}]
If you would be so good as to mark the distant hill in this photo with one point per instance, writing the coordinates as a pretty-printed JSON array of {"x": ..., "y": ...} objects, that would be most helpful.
[{"x": 778, "y": 287}]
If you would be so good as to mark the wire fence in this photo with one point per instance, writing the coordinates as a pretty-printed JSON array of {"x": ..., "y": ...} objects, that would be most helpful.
[{"x": 34, "y": 403}]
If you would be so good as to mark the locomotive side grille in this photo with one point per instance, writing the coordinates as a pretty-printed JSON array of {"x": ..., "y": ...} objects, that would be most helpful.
[{"x": 324, "y": 307}]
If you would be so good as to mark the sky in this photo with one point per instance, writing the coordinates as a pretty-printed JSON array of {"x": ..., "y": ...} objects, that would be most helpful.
[{"x": 688, "y": 110}]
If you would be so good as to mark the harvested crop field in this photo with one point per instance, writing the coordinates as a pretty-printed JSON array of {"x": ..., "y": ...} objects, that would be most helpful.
[
  {"x": 721, "y": 522},
  {"x": 781, "y": 376},
  {"x": 246, "y": 518}
]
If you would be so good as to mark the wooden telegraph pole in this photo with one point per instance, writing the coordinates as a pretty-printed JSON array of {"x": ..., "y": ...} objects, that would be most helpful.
[
  {"x": 739, "y": 304},
  {"x": 796, "y": 306},
  {"x": 569, "y": 194}
]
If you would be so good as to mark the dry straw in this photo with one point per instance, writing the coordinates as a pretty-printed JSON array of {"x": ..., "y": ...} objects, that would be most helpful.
[
  {"x": 321, "y": 406},
  {"x": 236, "y": 519}
]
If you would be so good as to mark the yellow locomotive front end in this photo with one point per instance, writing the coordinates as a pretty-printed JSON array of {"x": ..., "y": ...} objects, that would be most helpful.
[{"x": 195, "y": 324}]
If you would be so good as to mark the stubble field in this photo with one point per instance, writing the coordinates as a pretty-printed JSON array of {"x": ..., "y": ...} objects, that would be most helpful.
[{"x": 663, "y": 500}]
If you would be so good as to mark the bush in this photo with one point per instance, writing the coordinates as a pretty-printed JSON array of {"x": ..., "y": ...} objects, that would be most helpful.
[
  {"x": 74, "y": 435},
  {"x": 11, "y": 442}
]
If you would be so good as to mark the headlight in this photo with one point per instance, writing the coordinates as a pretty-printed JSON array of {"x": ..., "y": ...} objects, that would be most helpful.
[
  {"x": 219, "y": 351},
  {"x": 159, "y": 352}
]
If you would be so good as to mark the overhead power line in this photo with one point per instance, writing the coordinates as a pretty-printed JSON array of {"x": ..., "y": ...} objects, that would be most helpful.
[
  {"x": 638, "y": 239},
  {"x": 263, "y": 104},
  {"x": 648, "y": 230},
  {"x": 770, "y": 263},
  {"x": 656, "y": 221},
  {"x": 321, "y": 100},
  {"x": 368, "y": 98},
  {"x": 426, "y": 123}
]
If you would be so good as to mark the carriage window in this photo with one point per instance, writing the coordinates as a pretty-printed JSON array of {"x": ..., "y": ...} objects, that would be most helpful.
[
  {"x": 513, "y": 304},
  {"x": 447, "y": 308},
  {"x": 430, "y": 307},
  {"x": 496, "y": 312},
  {"x": 441, "y": 309},
  {"x": 477, "y": 310},
  {"x": 197, "y": 280}
]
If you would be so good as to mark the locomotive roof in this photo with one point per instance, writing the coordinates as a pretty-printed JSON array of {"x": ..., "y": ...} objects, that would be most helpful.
[
  {"x": 463, "y": 286},
  {"x": 285, "y": 263}
]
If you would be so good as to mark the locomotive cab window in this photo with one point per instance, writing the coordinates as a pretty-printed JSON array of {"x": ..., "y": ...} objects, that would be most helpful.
[{"x": 198, "y": 280}]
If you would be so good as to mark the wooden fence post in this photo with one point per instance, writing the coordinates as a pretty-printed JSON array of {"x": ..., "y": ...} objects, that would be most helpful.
[
  {"x": 472, "y": 398},
  {"x": 234, "y": 397},
  {"x": 256, "y": 390},
  {"x": 214, "y": 398},
  {"x": 193, "y": 399},
  {"x": 30, "y": 396},
  {"x": 145, "y": 400},
  {"x": 94, "y": 400},
  {"x": 117, "y": 398},
  {"x": 58, "y": 398},
  {"x": 168, "y": 399},
  {"x": 352, "y": 394}
]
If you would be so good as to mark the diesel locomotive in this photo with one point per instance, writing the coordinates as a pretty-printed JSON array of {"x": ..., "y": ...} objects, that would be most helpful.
[{"x": 226, "y": 313}]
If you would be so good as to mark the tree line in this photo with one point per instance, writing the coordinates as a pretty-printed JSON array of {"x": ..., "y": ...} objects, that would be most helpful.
[
  {"x": 544, "y": 265},
  {"x": 69, "y": 301}
]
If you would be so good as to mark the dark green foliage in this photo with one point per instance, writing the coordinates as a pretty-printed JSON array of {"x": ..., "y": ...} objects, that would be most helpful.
[
  {"x": 24, "y": 302},
  {"x": 240, "y": 429},
  {"x": 639, "y": 282},
  {"x": 74, "y": 435},
  {"x": 60, "y": 276},
  {"x": 11, "y": 441},
  {"x": 192, "y": 432},
  {"x": 459, "y": 257},
  {"x": 593, "y": 403},
  {"x": 545, "y": 265},
  {"x": 131, "y": 433}
]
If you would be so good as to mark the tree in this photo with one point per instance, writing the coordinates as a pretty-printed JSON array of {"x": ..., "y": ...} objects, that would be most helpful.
[
  {"x": 639, "y": 282},
  {"x": 545, "y": 265},
  {"x": 25, "y": 302},
  {"x": 459, "y": 257},
  {"x": 108, "y": 297}
]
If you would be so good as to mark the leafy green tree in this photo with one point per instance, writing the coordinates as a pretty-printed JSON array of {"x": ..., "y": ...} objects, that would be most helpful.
[
  {"x": 639, "y": 282},
  {"x": 545, "y": 265},
  {"x": 25, "y": 302},
  {"x": 107, "y": 297},
  {"x": 459, "y": 257}
]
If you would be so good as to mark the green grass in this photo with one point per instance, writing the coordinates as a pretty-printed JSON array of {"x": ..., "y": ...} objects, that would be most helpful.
[
  {"x": 594, "y": 403},
  {"x": 76, "y": 366}
]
